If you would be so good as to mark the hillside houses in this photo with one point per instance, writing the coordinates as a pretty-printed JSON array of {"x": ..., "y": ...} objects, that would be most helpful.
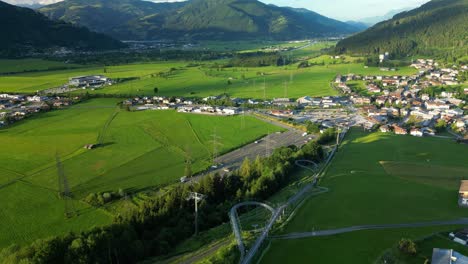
[
  {"x": 400, "y": 130},
  {"x": 17, "y": 107},
  {"x": 372, "y": 88}
]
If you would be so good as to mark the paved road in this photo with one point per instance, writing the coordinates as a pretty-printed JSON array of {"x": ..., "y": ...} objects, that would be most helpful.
[
  {"x": 264, "y": 147},
  {"x": 331, "y": 232}
]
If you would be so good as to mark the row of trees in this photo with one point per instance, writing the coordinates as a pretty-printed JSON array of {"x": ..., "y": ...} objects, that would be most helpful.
[
  {"x": 258, "y": 59},
  {"x": 157, "y": 225}
]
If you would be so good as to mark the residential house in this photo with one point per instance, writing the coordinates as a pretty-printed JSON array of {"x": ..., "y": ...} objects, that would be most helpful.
[
  {"x": 399, "y": 130},
  {"x": 436, "y": 105},
  {"x": 463, "y": 193},
  {"x": 372, "y": 88},
  {"x": 385, "y": 129},
  {"x": 417, "y": 132}
]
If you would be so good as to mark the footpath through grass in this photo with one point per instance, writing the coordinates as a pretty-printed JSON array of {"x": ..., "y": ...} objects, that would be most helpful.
[
  {"x": 363, "y": 192},
  {"x": 358, "y": 247},
  {"x": 377, "y": 179}
]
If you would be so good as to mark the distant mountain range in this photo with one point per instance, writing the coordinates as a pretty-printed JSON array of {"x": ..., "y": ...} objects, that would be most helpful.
[
  {"x": 437, "y": 27},
  {"x": 25, "y": 29},
  {"x": 196, "y": 19},
  {"x": 370, "y": 21}
]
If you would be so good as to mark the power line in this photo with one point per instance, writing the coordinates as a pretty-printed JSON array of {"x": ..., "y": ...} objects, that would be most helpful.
[
  {"x": 64, "y": 189},
  {"x": 196, "y": 197}
]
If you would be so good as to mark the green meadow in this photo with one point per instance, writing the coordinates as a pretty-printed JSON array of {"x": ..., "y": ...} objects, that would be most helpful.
[
  {"x": 30, "y": 212},
  {"x": 377, "y": 179},
  {"x": 387, "y": 179},
  {"x": 140, "y": 151},
  {"x": 25, "y": 65},
  {"x": 358, "y": 247},
  {"x": 199, "y": 79},
  {"x": 260, "y": 82}
]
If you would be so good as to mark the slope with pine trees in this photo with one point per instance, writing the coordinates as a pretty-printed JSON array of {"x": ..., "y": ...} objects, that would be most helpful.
[
  {"x": 26, "y": 30},
  {"x": 437, "y": 28}
]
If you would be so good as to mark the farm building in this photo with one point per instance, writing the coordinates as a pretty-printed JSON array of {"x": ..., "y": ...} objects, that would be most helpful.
[{"x": 463, "y": 194}]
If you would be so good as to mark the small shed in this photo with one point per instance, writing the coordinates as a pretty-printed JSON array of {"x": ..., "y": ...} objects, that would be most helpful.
[{"x": 463, "y": 194}]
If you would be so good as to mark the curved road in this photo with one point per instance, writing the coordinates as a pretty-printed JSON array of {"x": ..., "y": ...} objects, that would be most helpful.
[
  {"x": 235, "y": 223},
  {"x": 331, "y": 232},
  {"x": 245, "y": 259}
]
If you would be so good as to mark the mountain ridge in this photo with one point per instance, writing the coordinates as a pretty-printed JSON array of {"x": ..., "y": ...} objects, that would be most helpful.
[
  {"x": 437, "y": 27},
  {"x": 195, "y": 19},
  {"x": 29, "y": 30}
]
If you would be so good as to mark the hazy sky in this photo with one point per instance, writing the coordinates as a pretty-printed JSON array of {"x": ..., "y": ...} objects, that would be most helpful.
[
  {"x": 350, "y": 9},
  {"x": 339, "y": 9}
]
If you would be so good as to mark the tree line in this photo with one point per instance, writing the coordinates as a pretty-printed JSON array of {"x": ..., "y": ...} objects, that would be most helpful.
[{"x": 160, "y": 223}]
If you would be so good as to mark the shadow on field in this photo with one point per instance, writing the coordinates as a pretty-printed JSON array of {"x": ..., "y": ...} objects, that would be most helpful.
[{"x": 103, "y": 145}]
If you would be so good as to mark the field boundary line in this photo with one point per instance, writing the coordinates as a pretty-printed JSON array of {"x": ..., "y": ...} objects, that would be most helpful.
[
  {"x": 104, "y": 130},
  {"x": 196, "y": 135}
]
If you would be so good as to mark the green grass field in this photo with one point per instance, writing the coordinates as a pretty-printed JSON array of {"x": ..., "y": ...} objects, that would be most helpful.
[
  {"x": 24, "y": 65},
  {"x": 205, "y": 79},
  {"x": 371, "y": 182},
  {"x": 31, "y": 212},
  {"x": 358, "y": 247},
  {"x": 140, "y": 150},
  {"x": 377, "y": 179},
  {"x": 425, "y": 247},
  {"x": 246, "y": 82}
]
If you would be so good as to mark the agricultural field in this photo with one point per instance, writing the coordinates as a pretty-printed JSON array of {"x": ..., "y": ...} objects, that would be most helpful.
[
  {"x": 201, "y": 79},
  {"x": 243, "y": 46},
  {"x": 30, "y": 212},
  {"x": 379, "y": 179},
  {"x": 139, "y": 151},
  {"x": 312, "y": 50},
  {"x": 37, "y": 81},
  {"x": 25, "y": 65}
]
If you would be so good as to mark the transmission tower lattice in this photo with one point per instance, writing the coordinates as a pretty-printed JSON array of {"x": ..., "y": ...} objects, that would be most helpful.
[{"x": 64, "y": 189}]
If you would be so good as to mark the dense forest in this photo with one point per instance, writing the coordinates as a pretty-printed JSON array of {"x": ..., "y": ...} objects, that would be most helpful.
[
  {"x": 438, "y": 28},
  {"x": 26, "y": 30},
  {"x": 164, "y": 221}
]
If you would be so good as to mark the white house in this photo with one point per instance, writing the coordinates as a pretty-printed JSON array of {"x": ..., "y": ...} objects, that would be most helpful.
[{"x": 416, "y": 132}]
